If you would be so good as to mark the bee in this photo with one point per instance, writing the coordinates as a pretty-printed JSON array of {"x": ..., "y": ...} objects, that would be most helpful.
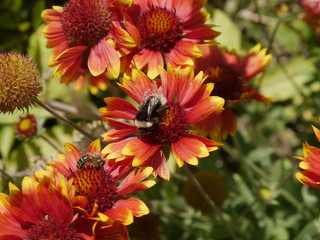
[
  {"x": 95, "y": 159},
  {"x": 149, "y": 111}
]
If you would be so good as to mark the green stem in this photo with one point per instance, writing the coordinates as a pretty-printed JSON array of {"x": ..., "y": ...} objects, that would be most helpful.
[
  {"x": 51, "y": 143},
  {"x": 236, "y": 154},
  {"x": 64, "y": 119}
]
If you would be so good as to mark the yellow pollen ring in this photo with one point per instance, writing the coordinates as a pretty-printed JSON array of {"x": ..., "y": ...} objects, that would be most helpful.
[
  {"x": 167, "y": 116},
  {"x": 87, "y": 180},
  {"x": 159, "y": 22}
]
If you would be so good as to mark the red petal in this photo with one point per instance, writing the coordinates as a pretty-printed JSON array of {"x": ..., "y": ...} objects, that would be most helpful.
[
  {"x": 183, "y": 54},
  {"x": 218, "y": 126},
  {"x": 140, "y": 150},
  {"x": 72, "y": 152},
  {"x": 94, "y": 147},
  {"x": 118, "y": 108},
  {"x": 132, "y": 182},
  {"x": 309, "y": 179},
  {"x": 114, "y": 150},
  {"x": 104, "y": 57},
  {"x": 138, "y": 86},
  {"x": 121, "y": 130},
  {"x": 122, "y": 215},
  {"x": 211, "y": 105},
  {"x": 137, "y": 207},
  {"x": 151, "y": 59},
  {"x": 122, "y": 37},
  {"x": 51, "y": 15},
  {"x": 189, "y": 150}
]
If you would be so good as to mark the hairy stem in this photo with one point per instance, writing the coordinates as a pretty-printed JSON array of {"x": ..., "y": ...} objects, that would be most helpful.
[{"x": 64, "y": 119}]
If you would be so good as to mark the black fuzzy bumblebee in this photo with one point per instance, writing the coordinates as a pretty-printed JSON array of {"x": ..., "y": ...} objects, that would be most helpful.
[
  {"x": 95, "y": 159},
  {"x": 148, "y": 116}
]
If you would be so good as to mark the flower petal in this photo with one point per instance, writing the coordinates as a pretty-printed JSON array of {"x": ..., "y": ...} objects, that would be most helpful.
[
  {"x": 132, "y": 182},
  {"x": 113, "y": 150},
  {"x": 94, "y": 147},
  {"x": 136, "y": 206},
  {"x": 151, "y": 60},
  {"x": 118, "y": 108},
  {"x": 104, "y": 57},
  {"x": 120, "y": 130},
  {"x": 138, "y": 85},
  {"x": 183, "y": 54},
  {"x": 189, "y": 150},
  {"x": 123, "y": 215},
  {"x": 140, "y": 150},
  {"x": 204, "y": 108}
]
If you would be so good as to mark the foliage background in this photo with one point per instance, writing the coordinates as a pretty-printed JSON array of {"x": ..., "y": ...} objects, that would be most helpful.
[{"x": 264, "y": 201}]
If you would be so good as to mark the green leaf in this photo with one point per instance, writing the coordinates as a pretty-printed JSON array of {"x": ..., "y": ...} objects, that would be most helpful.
[
  {"x": 310, "y": 231},
  {"x": 291, "y": 41},
  {"x": 7, "y": 137},
  {"x": 230, "y": 33},
  {"x": 36, "y": 12},
  {"x": 281, "y": 86}
]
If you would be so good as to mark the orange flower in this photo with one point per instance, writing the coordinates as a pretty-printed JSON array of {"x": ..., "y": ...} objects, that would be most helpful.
[
  {"x": 86, "y": 35},
  {"x": 97, "y": 181},
  {"x": 26, "y": 127},
  {"x": 167, "y": 108},
  {"x": 167, "y": 31},
  {"x": 230, "y": 73},
  {"x": 310, "y": 163},
  {"x": 39, "y": 211}
]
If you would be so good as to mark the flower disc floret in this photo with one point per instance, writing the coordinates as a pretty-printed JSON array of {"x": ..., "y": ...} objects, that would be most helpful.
[
  {"x": 85, "y": 22},
  {"x": 97, "y": 186},
  {"x": 160, "y": 29}
]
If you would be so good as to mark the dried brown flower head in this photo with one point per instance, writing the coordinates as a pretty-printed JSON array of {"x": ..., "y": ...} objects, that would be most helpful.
[
  {"x": 19, "y": 82},
  {"x": 212, "y": 184}
]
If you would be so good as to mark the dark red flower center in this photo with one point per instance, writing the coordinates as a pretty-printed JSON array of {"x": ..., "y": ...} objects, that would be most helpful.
[
  {"x": 86, "y": 22},
  {"x": 227, "y": 83},
  {"x": 172, "y": 126},
  {"x": 97, "y": 186},
  {"x": 52, "y": 229},
  {"x": 160, "y": 29}
]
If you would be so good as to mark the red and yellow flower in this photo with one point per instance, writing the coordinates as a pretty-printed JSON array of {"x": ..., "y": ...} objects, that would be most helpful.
[
  {"x": 99, "y": 188},
  {"x": 86, "y": 36},
  {"x": 26, "y": 127},
  {"x": 167, "y": 31},
  {"x": 188, "y": 101},
  {"x": 310, "y": 163},
  {"x": 39, "y": 211},
  {"x": 229, "y": 73}
]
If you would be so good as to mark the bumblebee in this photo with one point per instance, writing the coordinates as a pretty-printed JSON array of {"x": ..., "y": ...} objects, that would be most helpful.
[
  {"x": 149, "y": 111},
  {"x": 95, "y": 159}
]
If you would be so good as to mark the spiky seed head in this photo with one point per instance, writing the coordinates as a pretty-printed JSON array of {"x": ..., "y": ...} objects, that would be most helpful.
[{"x": 19, "y": 82}]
